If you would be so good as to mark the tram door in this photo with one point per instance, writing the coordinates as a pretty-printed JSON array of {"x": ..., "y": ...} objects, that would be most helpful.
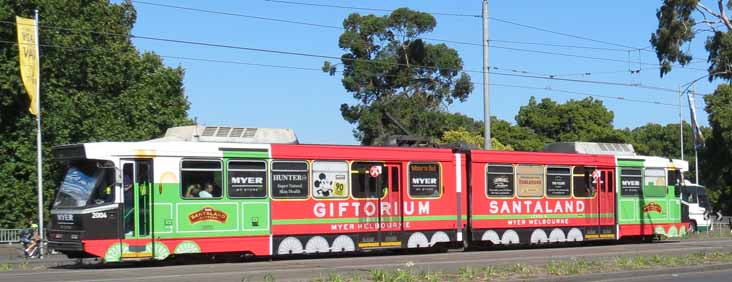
[
  {"x": 605, "y": 185},
  {"x": 376, "y": 187},
  {"x": 391, "y": 214},
  {"x": 137, "y": 185}
]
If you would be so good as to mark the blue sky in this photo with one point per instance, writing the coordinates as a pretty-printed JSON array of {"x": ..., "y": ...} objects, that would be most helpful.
[{"x": 308, "y": 101}]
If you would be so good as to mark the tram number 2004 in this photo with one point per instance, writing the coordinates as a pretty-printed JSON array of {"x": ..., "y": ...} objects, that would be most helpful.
[{"x": 99, "y": 215}]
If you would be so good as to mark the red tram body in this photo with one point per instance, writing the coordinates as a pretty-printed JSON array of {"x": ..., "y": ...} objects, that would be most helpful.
[{"x": 282, "y": 199}]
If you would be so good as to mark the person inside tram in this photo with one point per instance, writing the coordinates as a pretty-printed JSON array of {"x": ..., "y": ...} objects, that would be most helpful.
[
  {"x": 207, "y": 191},
  {"x": 193, "y": 191}
]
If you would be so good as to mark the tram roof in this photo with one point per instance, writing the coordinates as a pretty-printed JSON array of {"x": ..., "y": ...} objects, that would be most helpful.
[
  {"x": 490, "y": 156},
  {"x": 615, "y": 149}
]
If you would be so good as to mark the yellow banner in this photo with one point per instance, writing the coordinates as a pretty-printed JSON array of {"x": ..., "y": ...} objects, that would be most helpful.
[{"x": 28, "y": 59}]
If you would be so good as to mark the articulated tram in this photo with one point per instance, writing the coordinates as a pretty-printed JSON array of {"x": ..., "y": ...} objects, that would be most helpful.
[{"x": 209, "y": 190}]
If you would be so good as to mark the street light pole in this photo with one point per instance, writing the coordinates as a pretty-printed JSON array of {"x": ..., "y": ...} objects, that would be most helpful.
[
  {"x": 686, "y": 87},
  {"x": 486, "y": 88},
  {"x": 681, "y": 124}
]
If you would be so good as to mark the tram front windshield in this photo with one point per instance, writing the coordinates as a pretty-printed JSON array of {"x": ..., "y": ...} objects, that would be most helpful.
[
  {"x": 703, "y": 200},
  {"x": 87, "y": 182}
]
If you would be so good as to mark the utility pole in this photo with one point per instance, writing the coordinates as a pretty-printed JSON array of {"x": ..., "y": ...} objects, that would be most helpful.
[
  {"x": 695, "y": 121},
  {"x": 681, "y": 124},
  {"x": 486, "y": 88},
  {"x": 39, "y": 144}
]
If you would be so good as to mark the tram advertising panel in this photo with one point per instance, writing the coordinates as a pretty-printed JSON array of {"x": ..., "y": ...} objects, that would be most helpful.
[
  {"x": 247, "y": 179},
  {"x": 499, "y": 180},
  {"x": 630, "y": 182},
  {"x": 557, "y": 180},
  {"x": 289, "y": 179},
  {"x": 424, "y": 180}
]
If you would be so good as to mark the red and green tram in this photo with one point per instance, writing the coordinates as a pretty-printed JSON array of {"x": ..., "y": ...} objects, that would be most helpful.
[{"x": 210, "y": 190}]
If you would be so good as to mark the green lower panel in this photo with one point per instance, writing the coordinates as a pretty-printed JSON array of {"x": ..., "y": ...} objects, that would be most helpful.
[
  {"x": 178, "y": 218},
  {"x": 649, "y": 210},
  {"x": 207, "y": 216}
]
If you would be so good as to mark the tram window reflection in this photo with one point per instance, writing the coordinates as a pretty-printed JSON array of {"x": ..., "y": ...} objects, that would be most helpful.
[
  {"x": 201, "y": 179},
  {"x": 581, "y": 183}
]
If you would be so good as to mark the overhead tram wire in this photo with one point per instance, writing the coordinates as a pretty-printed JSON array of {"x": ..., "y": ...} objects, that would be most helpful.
[
  {"x": 238, "y": 15},
  {"x": 424, "y": 38},
  {"x": 465, "y": 15},
  {"x": 556, "y": 45},
  {"x": 551, "y": 89},
  {"x": 341, "y": 28},
  {"x": 367, "y": 9},
  {"x": 292, "y": 53},
  {"x": 565, "y": 34},
  {"x": 207, "y": 60}
]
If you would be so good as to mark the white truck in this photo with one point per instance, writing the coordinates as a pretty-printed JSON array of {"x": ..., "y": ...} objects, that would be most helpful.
[{"x": 694, "y": 197}]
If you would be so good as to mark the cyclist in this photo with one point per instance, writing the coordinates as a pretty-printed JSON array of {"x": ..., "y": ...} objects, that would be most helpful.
[{"x": 30, "y": 239}]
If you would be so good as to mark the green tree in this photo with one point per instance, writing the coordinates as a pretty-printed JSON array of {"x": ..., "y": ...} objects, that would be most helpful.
[
  {"x": 575, "y": 120},
  {"x": 655, "y": 139},
  {"x": 387, "y": 67},
  {"x": 517, "y": 137},
  {"x": 95, "y": 87},
  {"x": 461, "y": 135},
  {"x": 679, "y": 21},
  {"x": 716, "y": 163}
]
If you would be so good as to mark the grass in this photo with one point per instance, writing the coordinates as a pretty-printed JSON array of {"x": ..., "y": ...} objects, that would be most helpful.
[
  {"x": 717, "y": 233},
  {"x": 555, "y": 268}
]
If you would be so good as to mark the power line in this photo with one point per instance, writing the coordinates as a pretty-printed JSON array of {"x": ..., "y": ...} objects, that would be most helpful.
[
  {"x": 238, "y": 15},
  {"x": 424, "y": 38},
  {"x": 292, "y": 53},
  {"x": 367, "y": 9},
  {"x": 341, "y": 28},
  {"x": 207, "y": 60},
  {"x": 464, "y": 15},
  {"x": 565, "y": 34},
  {"x": 556, "y": 45},
  {"x": 585, "y": 94},
  {"x": 579, "y": 56}
]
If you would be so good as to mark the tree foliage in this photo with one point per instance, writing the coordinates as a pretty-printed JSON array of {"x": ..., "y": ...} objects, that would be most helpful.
[
  {"x": 387, "y": 67},
  {"x": 517, "y": 137},
  {"x": 717, "y": 161},
  {"x": 659, "y": 140},
  {"x": 461, "y": 135},
  {"x": 679, "y": 21},
  {"x": 576, "y": 120},
  {"x": 94, "y": 87},
  {"x": 373, "y": 124}
]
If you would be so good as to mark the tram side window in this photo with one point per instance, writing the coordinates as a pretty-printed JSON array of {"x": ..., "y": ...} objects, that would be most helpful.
[
  {"x": 558, "y": 181},
  {"x": 499, "y": 181},
  {"x": 201, "y": 179},
  {"x": 655, "y": 177},
  {"x": 530, "y": 180},
  {"x": 424, "y": 180},
  {"x": 290, "y": 179},
  {"x": 655, "y": 182},
  {"x": 367, "y": 179},
  {"x": 581, "y": 182},
  {"x": 674, "y": 179},
  {"x": 631, "y": 180},
  {"x": 690, "y": 196},
  {"x": 330, "y": 179},
  {"x": 104, "y": 191},
  {"x": 247, "y": 179}
]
